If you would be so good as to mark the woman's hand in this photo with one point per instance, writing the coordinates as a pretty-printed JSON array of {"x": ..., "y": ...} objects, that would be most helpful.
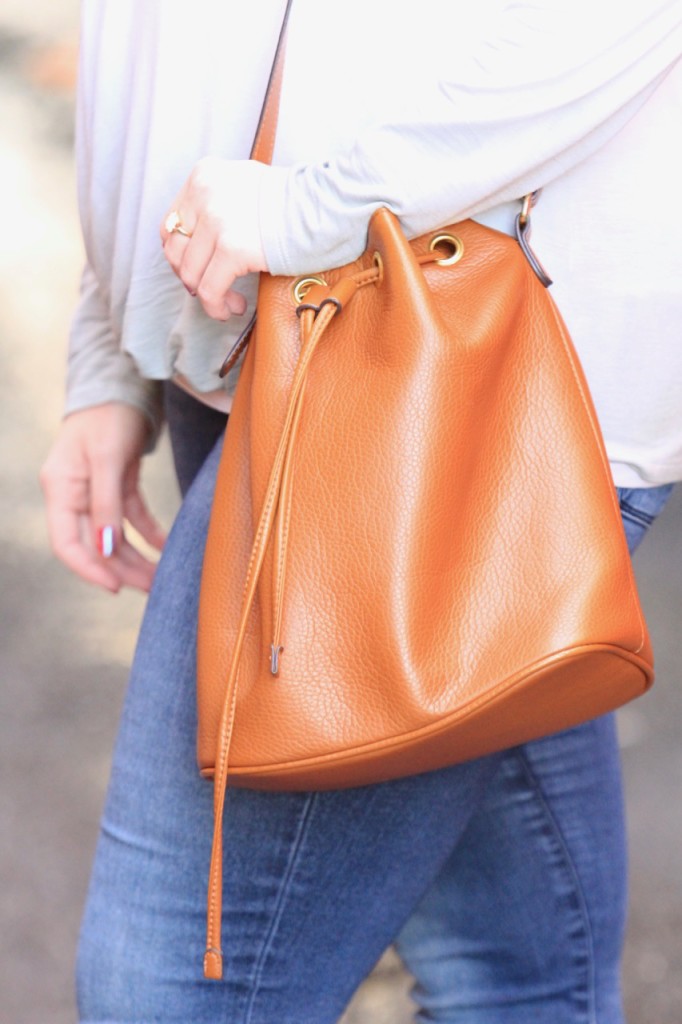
[
  {"x": 90, "y": 483},
  {"x": 211, "y": 236}
]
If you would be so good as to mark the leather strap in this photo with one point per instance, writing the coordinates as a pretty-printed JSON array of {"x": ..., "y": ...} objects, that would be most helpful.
[
  {"x": 262, "y": 149},
  {"x": 264, "y": 139},
  {"x": 276, "y": 499}
]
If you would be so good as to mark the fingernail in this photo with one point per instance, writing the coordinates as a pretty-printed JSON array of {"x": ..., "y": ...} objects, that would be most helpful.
[
  {"x": 106, "y": 541},
  {"x": 193, "y": 294}
]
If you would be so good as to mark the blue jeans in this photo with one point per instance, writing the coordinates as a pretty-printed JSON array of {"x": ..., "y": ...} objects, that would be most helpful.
[{"x": 503, "y": 878}]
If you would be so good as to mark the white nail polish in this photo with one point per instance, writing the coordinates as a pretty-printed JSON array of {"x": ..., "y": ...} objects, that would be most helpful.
[{"x": 106, "y": 541}]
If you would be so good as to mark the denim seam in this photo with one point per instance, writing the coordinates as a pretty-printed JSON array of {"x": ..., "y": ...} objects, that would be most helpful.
[
  {"x": 636, "y": 515},
  {"x": 278, "y": 910},
  {"x": 582, "y": 904}
]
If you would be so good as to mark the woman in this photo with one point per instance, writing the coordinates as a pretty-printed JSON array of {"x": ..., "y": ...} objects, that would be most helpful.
[{"x": 502, "y": 879}]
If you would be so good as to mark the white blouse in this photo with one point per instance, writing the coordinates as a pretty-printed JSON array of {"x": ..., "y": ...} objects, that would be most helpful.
[{"x": 442, "y": 111}]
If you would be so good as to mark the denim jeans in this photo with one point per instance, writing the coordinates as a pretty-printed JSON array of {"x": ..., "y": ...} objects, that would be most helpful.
[{"x": 503, "y": 879}]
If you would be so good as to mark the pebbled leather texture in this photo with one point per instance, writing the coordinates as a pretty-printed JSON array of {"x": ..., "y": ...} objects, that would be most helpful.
[
  {"x": 452, "y": 517},
  {"x": 414, "y": 509}
]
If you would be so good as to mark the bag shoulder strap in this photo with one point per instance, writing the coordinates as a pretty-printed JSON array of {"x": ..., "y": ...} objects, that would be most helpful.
[
  {"x": 264, "y": 139},
  {"x": 264, "y": 144}
]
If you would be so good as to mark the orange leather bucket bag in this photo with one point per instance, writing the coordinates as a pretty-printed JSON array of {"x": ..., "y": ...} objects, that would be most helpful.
[{"x": 415, "y": 554}]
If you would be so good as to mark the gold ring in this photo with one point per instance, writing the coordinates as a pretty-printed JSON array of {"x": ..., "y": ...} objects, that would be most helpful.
[{"x": 173, "y": 223}]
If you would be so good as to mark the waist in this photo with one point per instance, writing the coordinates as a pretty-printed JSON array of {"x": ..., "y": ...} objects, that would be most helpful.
[{"x": 217, "y": 399}]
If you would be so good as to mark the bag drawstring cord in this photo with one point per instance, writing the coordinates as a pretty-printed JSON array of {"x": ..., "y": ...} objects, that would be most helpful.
[
  {"x": 322, "y": 305},
  {"x": 313, "y": 325}
]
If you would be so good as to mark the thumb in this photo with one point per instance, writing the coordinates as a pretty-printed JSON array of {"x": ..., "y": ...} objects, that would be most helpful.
[{"x": 139, "y": 516}]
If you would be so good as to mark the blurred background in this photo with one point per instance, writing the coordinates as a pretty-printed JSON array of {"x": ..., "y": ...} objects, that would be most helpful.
[{"x": 64, "y": 649}]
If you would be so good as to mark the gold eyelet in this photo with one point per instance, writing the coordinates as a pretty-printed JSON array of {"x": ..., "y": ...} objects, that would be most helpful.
[
  {"x": 379, "y": 264},
  {"x": 451, "y": 242},
  {"x": 302, "y": 286}
]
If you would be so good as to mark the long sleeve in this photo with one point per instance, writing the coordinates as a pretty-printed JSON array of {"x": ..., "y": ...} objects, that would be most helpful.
[
  {"x": 530, "y": 92},
  {"x": 98, "y": 369},
  {"x": 440, "y": 111}
]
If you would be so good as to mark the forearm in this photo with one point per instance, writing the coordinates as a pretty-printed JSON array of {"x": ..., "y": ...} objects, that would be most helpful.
[
  {"x": 536, "y": 91},
  {"x": 98, "y": 370}
]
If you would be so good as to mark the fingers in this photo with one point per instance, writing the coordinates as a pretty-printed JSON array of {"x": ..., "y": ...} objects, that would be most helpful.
[
  {"x": 139, "y": 516},
  {"x": 207, "y": 270},
  {"x": 131, "y": 567},
  {"x": 175, "y": 223},
  {"x": 106, "y": 503},
  {"x": 211, "y": 234},
  {"x": 109, "y": 505},
  {"x": 218, "y": 299},
  {"x": 90, "y": 484},
  {"x": 87, "y": 534},
  {"x": 68, "y": 528}
]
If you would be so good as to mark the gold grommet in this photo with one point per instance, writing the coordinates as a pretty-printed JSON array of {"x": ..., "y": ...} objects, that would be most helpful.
[
  {"x": 451, "y": 242},
  {"x": 379, "y": 264},
  {"x": 302, "y": 286}
]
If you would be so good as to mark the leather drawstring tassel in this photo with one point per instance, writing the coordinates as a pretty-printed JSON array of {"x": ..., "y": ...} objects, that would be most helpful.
[{"x": 278, "y": 491}]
